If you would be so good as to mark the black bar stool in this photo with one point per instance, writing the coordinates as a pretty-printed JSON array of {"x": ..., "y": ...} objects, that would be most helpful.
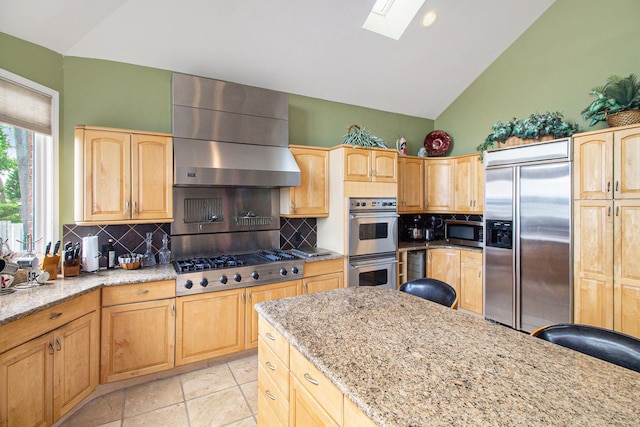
[{"x": 432, "y": 290}]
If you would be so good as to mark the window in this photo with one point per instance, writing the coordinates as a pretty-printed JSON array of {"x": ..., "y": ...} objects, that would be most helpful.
[{"x": 28, "y": 163}]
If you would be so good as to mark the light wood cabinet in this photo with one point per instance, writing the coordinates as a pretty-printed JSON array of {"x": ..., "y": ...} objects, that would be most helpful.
[
  {"x": 45, "y": 377},
  {"x": 606, "y": 218},
  {"x": 209, "y": 325},
  {"x": 411, "y": 184},
  {"x": 138, "y": 332},
  {"x": 471, "y": 281},
  {"x": 323, "y": 276},
  {"x": 444, "y": 264},
  {"x": 258, "y": 294},
  {"x": 370, "y": 164},
  {"x": 439, "y": 185},
  {"x": 273, "y": 377},
  {"x": 469, "y": 184},
  {"x": 122, "y": 176},
  {"x": 311, "y": 197}
]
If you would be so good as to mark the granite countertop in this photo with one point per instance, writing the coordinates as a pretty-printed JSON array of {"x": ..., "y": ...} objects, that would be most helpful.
[
  {"x": 416, "y": 246},
  {"x": 405, "y": 361},
  {"x": 24, "y": 302}
]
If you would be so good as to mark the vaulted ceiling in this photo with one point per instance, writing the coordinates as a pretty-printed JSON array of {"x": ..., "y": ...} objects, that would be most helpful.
[{"x": 304, "y": 47}]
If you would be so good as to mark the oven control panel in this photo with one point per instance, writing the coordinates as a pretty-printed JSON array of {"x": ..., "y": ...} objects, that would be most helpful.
[{"x": 378, "y": 204}]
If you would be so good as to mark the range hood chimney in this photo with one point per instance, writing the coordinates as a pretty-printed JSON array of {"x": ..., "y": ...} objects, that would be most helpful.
[{"x": 226, "y": 134}]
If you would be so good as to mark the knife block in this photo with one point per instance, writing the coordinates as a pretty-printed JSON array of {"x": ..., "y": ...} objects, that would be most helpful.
[
  {"x": 50, "y": 265},
  {"x": 71, "y": 268}
]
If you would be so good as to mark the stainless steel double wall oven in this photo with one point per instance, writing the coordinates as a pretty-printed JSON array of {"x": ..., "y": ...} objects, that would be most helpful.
[{"x": 373, "y": 241}]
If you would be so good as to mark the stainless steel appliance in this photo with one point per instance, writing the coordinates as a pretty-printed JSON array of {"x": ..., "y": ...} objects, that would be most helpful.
[
  {"x": 373, "y": 241},
  {"x": 230, "y": 156},
  {"x": 414, "y": 229},
  {"x": 466, "y": 233},
  {"x": 528, "y": 235}
]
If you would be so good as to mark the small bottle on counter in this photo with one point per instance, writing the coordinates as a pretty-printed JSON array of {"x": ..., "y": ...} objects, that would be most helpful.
[
  {"x": 111, "y": 255},
  {"x": 149, "y": 259},
  {"x": 164, "y": 255}
]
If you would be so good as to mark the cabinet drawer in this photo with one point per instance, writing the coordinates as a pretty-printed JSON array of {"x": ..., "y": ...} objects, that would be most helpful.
[
  {"x": 138, "y": 292},
  {"x": 274, "y": 368},
  {"x": 22, "y": 330},
  {"x": 317, "y": 385},
  {"x": 471, "y": 256},
  {"x": 274, "y": 398},
  {"x": 266, "y": 414},
  {"x": 323, "y": 267},
  {"x": 274, "y": 339}
]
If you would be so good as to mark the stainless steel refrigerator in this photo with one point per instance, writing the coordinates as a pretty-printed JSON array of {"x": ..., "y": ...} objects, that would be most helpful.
[{"x": 528, "y": 235}]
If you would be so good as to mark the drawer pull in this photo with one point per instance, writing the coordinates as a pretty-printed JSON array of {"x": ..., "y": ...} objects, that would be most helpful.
[
  {"x": 270, "y": 366},
  {"x": 142, "y": 292},
  {"x": 271, "y": 337},
  {"x": 269, "y": 395},
  {"x": 311, "y": 380},
  {"x": 54, "y": 316}
]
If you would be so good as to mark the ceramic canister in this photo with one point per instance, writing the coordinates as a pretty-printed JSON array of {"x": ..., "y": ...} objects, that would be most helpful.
[{"x": 90, "y": 254}]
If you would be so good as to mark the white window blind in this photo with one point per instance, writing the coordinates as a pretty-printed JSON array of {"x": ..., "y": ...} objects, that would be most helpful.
[{"x": 25, "y": 107}]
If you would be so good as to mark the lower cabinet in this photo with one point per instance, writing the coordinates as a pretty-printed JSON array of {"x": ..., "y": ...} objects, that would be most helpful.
[
  {"x": 462, "y": 269},
  {"x": 323, "y": 276},
  {"x": 292, "y": 392},
  {"x": 43, "y": 378},
  {"x": 138, "y": 330}
]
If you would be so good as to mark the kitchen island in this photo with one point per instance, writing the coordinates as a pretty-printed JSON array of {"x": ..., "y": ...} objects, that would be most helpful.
[{"x": 404, "y": 361}]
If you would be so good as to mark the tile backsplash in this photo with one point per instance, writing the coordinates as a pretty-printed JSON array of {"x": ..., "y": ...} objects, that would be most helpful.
[{"x": 294, "y": 233}]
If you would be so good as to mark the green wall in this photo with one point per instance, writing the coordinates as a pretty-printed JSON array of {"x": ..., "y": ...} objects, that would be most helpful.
[{"x": 574, "y": 46}]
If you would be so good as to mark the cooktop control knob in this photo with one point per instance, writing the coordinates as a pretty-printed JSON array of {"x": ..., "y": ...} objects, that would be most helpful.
[
  {"x": 204, "y": 282},
  {"x": 223, "y": 279},
  {"x": 237, "y": 277},
  {"x": 283, "y": 271},
  {"x": 255, "y": 275},
  {"x": 188, "y": 284},
  {"x": 294, "y": 270}
]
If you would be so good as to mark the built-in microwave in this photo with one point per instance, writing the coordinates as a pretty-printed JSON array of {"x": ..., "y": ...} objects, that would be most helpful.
[{"x": 465, "y": 233}]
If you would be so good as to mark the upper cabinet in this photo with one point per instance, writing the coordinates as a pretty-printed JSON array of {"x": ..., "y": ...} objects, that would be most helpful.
[
  {"x": 375, "y": 165},
  {"x": 439, "y": 184},
  {"x": 122, "y": 176},
  {"x": 311, "y": 197},
  {"x": 469, "y": 184},
  {"x": 410, "y": 184},
  {"x": 606, "y": 165}
]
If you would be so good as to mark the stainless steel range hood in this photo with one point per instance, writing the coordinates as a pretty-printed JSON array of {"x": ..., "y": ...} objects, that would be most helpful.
[{"x": 226, "y": 134}]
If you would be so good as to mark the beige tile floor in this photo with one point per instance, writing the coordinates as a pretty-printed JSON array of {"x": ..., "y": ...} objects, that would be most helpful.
[{"x": 220, "y": 395}]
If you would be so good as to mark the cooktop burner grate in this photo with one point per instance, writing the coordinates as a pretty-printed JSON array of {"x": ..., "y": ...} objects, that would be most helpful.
[{"x": 233, "y": 261}]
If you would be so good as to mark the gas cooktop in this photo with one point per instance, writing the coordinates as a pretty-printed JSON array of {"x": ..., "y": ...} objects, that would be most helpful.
[{"x": 214, "y": 273}]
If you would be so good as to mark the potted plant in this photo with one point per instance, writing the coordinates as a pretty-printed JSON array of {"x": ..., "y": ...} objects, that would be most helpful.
[
  {"x": 536, "y": 127},
  {"x": 617, "y": 102},
  {"x": 361, "y": 137}
]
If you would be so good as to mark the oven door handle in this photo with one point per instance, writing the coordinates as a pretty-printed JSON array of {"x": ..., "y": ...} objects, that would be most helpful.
[
  {"x": 374, "y": 264},
  {"x": 356, "y": 216}
]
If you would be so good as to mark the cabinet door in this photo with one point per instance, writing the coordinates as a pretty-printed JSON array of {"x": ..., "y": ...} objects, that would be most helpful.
[
  {"x": 312, "y": 196},
  {"x": 439, "y": 186},
  {"x": 107, "y": 174},
  {"x": 626, "y": 267},
  {"x": 478, "y": 206},
  {"x": 357, "y": 165},
  {"x": 385, "y": 166},
  {"x": 326, "y": 282},
  {"x": 593, "y": 166},
  {"x": 410, "y": 185},
  {"x": 444, "y": 265},
  {"x": 265, "y": 293},
  {"x": 151, "y": 177},
  {"x": 465, "y": 181},
  {"x": 627, "y": 164},
  {"x": 76, "y": 362},
  {"x": 304, "y": 410},
  {"x": 593, "y": 263},
  {"x": 471, "y": 286},
  {"x": 137, "y": 339},
  {"x": 209, "y": 325},
  {"x": 26, "y": 374}
]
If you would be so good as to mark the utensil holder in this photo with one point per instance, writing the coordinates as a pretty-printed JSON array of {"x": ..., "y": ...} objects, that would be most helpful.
[
  {"x": 71, "y": 268},
  {"x": 50, "y": 265}
]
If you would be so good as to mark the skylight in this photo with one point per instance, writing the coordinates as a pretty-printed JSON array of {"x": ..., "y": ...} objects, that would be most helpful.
[{"x": 391, "y": 17}]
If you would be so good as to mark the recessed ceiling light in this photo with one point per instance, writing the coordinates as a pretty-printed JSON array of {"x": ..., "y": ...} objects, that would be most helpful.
[
  {"x": 391, "y": 17},
  {"x": 429, "y": 18}
]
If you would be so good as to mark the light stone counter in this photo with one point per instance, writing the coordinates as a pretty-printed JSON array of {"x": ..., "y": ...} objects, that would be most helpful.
[
  {"x": 433, "y": 244},
  {"x": 24, "y": 302},
  {"x": 405, "y": 361}
]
